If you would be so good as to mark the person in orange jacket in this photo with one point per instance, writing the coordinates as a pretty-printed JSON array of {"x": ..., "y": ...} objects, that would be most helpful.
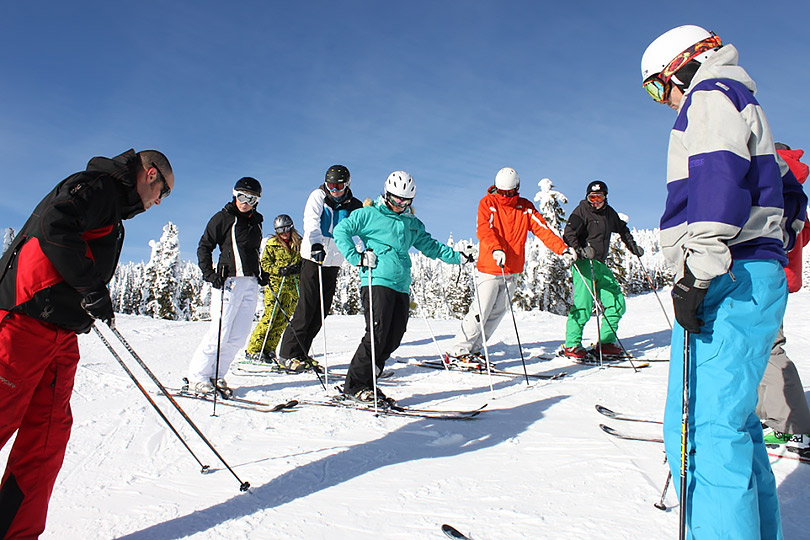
[
  {"x": 504, "y": 220},
  {"x": 782, "y": 404}
]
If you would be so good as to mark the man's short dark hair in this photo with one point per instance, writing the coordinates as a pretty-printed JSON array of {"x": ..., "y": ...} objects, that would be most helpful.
[{"x": 148, "y": 157}]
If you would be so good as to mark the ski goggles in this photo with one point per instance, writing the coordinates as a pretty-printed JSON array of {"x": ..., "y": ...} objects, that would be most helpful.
[
  {"x": 165, "y": 190},
  {"x": 659, "y": 85},
  {"x": 596, "y": 197},
  {"x": 399, "y": 202},
  {"x": 334, "y": 187},
  {"x": 247, "y": 198},
  {"x": 508, "y": 192}
]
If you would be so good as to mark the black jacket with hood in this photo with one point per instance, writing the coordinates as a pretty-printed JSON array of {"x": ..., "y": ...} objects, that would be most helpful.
[
  {"x": 71, "y": 243},
  {"x": 227, "y": 228},
  {"x": 590, "y": 227}
]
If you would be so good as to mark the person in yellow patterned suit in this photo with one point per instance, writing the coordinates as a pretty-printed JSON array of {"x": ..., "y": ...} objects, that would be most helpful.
[{"x": 281, "y": 260}]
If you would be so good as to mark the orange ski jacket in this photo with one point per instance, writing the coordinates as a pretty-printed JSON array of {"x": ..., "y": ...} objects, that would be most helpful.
[{"x": 503, "y": 223}]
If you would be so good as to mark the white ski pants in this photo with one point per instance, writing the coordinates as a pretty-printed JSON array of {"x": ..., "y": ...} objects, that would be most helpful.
[
  {"x": 240, "y": 297},
  {"x": 493, "y": 300}
]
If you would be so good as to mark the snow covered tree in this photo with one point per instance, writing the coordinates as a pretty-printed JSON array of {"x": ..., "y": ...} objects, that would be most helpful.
[
  {"x": 8, "y": 237},
  {"x": 161, "y": 282}
]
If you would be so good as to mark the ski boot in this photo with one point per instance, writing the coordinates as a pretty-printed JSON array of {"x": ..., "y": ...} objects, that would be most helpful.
[{"x": 222, "y": 387}]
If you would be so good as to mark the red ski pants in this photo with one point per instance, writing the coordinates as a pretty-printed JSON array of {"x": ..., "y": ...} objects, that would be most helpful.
[{"x": 37, "y": 365}]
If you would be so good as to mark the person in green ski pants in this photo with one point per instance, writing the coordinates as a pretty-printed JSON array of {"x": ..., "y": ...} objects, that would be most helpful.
[{"x": 588, "y": 231}]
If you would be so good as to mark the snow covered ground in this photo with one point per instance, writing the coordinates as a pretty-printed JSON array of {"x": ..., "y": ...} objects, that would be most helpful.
[{"x": 534, "y": 465}]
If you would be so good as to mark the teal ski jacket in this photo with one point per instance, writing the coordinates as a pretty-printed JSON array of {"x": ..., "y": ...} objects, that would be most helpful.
[{"x": 390, "y": 236}]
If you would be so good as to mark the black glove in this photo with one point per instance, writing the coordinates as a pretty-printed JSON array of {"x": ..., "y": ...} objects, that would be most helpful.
[
  {"x": 636, "y": 249},
  {"x": 216, "y": 280},
  {"x": 290, "y": 269},
  {"x": 586, "y": 253},
  {"x": 687, "y": 295},
  {"x": 98, "y": 304},
  {"x": 263, "y": 278},
  {"x": 317, "y": 253}
]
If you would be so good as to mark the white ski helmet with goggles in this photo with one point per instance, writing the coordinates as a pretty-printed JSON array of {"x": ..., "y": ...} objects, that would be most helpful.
[
  {"x": 400, "y": 184},
  {"x": 673, "y": 50},
  {"x": 507, "y": 179}
]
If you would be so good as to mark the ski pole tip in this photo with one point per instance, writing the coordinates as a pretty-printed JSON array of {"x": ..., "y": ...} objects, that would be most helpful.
[
  {"x": 205, "y": 469},
  {"x": 244, "y": 486},
  {"x": 660, "y": 506}
]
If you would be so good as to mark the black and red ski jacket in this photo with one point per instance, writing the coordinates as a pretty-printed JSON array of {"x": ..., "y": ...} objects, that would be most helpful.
[{"x": 71, "y": 243}]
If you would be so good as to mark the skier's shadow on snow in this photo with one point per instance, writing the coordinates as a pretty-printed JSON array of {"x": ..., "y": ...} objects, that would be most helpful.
[{"x": 414, "y": 441}]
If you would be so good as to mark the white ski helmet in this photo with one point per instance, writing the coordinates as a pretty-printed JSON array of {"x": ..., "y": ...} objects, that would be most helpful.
[
  {"x": 507, "y": 178},
  {"x": 670, "y": 44},
  {"x": 401, "y": 184}
]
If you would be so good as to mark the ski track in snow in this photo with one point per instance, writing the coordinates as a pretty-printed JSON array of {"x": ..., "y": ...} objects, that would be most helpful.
[{"x": 533, "y": 465}]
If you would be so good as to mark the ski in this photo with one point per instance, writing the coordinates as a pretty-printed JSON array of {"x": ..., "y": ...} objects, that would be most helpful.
[
  {"x": 629, "y": 437},
  {"x": 800, "y": 458},
  {"x": 435, "y": 364},
  {"x": 394, "y": 410},
  {"x": 240, "y": 403},
  {"x": 619, "y": 416},
  {"x": 452, "y": 532}
]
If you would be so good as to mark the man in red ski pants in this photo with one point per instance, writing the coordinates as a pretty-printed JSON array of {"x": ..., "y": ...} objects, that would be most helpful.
[{"x": 53, "y": 285}]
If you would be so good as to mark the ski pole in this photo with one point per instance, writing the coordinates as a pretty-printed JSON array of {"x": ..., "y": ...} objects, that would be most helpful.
[
  {"x": 323, "y": 325},
  {"x": 684, "y": 434},
  {"x": 223, "y": 274},
  {"x": 660, "y": 504},
  {"x": 600, "y": 307},
  {"x": 371, "y": 333},
  {"x": 481, "y": 324},
  {"x": 514, "y": 322},
  {"x": 652, "y": 286},
  {"x": 204, "y": 468},
  {"x": 297, "y": 338},
  {"x": 243, "y": 486},
  {"x": 272, "y": 313}
]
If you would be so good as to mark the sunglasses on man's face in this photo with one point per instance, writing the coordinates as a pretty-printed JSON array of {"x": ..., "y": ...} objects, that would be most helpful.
[{"x": 165, "y": 190}]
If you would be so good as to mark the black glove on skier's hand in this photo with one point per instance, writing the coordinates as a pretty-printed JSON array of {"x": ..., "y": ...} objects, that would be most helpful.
[
  {"x": 263, "y": 278},
  {"x": 687, "y": 296},
  {"x": 317, "y": 253},
  {"x": 586, "y": 253},
  {"x": 290, "y": 269},
  {"x": 98, "y": 304},
  {"x": 636, "y": 249},
  {"x": 216, "y": 280}
]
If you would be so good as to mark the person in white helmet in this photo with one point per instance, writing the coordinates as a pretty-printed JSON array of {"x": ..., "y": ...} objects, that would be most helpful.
[
  {"x": 730, "y": 213},
  {"x": 388, "y": 229},
  {"x": 504, "y": 220}
]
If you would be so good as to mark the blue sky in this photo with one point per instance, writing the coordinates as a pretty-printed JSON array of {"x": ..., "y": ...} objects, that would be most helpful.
[{"x": 450, "y": 91}]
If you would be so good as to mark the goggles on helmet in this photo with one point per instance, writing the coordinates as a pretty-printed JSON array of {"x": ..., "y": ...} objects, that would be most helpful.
[
  {"x": 247, "y": 198},
  {"x": 399, "y": 202},
  {"x": 508, "y": 192},
  {"x": 334, "y": 187},
  {"x": 596, "y": 197},
  {"x": 659, "y": 85}
]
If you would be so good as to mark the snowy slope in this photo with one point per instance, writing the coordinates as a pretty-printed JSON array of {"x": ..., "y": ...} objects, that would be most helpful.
[{"x": 534, "y": 465}]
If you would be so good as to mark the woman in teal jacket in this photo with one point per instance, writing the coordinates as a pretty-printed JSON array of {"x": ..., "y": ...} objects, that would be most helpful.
[{"x": 388, "y": 229}]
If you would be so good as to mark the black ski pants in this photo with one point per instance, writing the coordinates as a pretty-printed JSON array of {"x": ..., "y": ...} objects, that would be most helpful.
[
  {"x": 391, "y": 310},
  {"x": 306, "y": 321}
]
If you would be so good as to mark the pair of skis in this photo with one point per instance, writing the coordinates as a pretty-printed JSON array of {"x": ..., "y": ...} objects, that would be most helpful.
[
  {"x": 644, "y": 438},
  {"x": 435, "y": 364}
]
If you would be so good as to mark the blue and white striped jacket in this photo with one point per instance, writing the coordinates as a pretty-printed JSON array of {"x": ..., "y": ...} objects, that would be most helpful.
[{"x": 729, "y": 195}]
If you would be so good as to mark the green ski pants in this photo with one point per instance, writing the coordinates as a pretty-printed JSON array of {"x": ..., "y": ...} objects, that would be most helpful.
[
  {"x": 273, "y": 321},
  {"x": 607, "y": 291}
]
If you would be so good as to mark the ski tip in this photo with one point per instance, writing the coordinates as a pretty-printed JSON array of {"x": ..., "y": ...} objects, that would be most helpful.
[
  {"x": 604, "y": 410},
  {"x": 452, "y": 532}
]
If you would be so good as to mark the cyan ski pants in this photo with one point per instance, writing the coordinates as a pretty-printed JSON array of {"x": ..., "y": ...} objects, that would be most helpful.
[
  {"x": 607, "y": 291},
  {"x": 731, "y": 491}
]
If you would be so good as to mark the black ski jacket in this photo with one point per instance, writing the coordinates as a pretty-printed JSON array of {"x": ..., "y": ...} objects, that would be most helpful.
[
  {"x": 71, "y": 243},
  {"x": 226, "y": 227},
  {"x": 589, "y": 227}
]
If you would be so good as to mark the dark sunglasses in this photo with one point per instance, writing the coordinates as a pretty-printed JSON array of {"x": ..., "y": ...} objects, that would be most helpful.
[{"x": 165, "y": 190}]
